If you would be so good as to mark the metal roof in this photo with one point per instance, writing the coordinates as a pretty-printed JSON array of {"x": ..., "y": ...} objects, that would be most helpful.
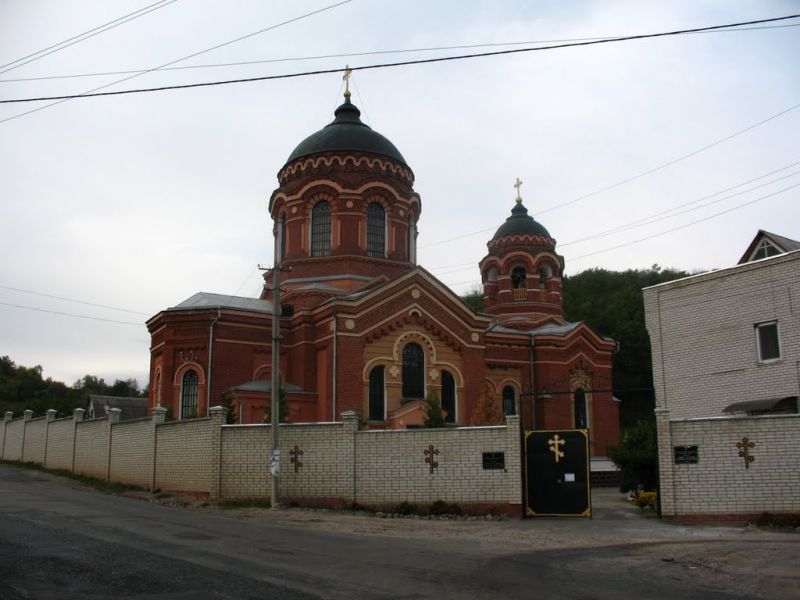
[
  {"x": 208, "y": 300},
  {"x": 131, "y": 407}
]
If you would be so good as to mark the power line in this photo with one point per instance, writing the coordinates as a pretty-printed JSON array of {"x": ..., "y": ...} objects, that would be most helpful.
[
  {"x": 94, "y": 93},
  {"x": 695, "y": 222},
  {"x": 66, "y": 314},
  {"x": 135, "y": 312},
  {"x": 91, "y": 92},
  {"x": 630, "y": 179},
  {"x": 84, "y": 36},
  {"x": 356, "y": 54}
]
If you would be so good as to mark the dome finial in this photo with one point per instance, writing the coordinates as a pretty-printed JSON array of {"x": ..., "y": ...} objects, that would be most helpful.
[
  {"x": 518, "y": 184},
  {"x": 346, "y": 77}
]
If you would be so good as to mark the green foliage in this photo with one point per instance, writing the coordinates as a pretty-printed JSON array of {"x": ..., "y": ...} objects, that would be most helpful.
[
  {"x": 434, "y": 417},
  {"x": 23, "y": 388},
  {"x": 474, "y": 299},
  {"x": 407, "y": 508},
  {"x": 283, "y": 408},
  {"x": 440, "y": 507},
  {"x": 647, "y": 500},
  {"x": 778, "y": 521},
  {"x": 636, "y": 456},
  {"x": 612, "y": 303}
]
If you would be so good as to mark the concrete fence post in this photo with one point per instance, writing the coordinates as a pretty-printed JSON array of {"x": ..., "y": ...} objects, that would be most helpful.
[
  {"x": 666, "y": 480},
  {"x": 26, "y": 416},
  {"x": 114, "y": 415},
  {"x": 8, "y": 417},
  {"x": 77, "y": 417},
  {"x": 50, "y": 416},
  {"x": 159, "y": 416},
  {"x": 218, "y": 415},
  {"x": 350, "y": 420}
]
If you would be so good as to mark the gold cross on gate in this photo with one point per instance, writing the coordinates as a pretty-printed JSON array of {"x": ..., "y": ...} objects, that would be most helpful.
[
  {"x": 744, "y": 451},
  {"x": 555, "y": 443},
  {"x": 295, "y": 454},
  {"x": 348, "y": 72},
  {"x": 430, "y": 453},
  {"x": 518, "y": 184}
]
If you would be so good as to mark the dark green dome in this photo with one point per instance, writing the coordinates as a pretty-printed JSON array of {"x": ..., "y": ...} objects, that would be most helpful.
[
  {"x": 520, "y": 223},
  {"x": 346, "y": 132}
]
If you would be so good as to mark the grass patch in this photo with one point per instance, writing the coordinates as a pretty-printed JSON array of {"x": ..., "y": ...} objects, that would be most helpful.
[{"x": 109, "y": 487}]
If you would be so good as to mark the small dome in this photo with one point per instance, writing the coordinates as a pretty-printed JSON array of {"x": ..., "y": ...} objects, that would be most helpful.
[
  {"x": 346, "y": 132},
  {"x": 520, "y": 223}
]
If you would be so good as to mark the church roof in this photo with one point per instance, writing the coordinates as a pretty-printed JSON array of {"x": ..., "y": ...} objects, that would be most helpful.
[
  {"x": 520, "y": 223},
  {"x": 131, "y": 407},
  {"x": 208, "y": 300},
  {"x": 778, "y": 244},
  {"x": 346, "y": 132}
]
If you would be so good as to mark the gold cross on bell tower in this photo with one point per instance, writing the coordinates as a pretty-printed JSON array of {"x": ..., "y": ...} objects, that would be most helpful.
[
  {"x": 518, "y": 184},
  {"x": 348, "y": 72}
]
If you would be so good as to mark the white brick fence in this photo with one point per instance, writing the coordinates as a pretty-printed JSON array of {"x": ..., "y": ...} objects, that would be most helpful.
[{"x": 323, "y": 463}]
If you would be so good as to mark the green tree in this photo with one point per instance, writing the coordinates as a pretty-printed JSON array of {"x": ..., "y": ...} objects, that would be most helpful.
[
  {"x": 434, "y": 417},
  {"x": 474, "y": 299},
  {"x": 636, "y": 456}
]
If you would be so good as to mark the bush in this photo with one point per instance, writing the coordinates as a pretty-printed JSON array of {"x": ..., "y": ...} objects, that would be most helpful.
[
  {"x": 636, "y": 457},
  {"x": 407, "y": 508},
  {"x": 434, "y": 417},
  {"x": 646, "y": 500},
  {"x": 781, "y": 521},
  {"x": 440, "y": 507}
]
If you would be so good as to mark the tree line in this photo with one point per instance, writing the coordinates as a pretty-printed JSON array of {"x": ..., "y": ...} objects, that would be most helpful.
[{"x": 24, "y": 388}]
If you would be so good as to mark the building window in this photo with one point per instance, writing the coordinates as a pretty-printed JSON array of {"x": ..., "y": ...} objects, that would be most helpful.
[
  {"x": 519, "y": 279},
  {"x": 769, "y": 347},
  {"x": 545, "y": 273},
  {"x": 765, "y": 250},
  {"x": 412, "y": 240},
  {"x": 377, "y": 394},
  {"x": 376, "y": 230},
  {"x": 282, "y": 237},
  {"x": 509, "y": 401},
  {"x": 321, "y": 229},
  {"x": 581, "y": 409},
  {"x": 448, "y": 397},
  {"x": 413, "y": 372},
  {"x": 189, "y": 394}
]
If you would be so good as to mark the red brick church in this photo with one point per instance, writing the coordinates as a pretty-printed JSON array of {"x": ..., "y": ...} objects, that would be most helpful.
[{"x": 369, "y": 329}]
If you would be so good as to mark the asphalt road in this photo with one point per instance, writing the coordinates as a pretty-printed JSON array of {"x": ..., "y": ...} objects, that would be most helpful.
[{"x": 62, "y": 541}]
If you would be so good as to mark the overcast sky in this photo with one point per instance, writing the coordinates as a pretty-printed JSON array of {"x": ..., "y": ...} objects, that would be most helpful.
[{"x": 136, "y": 202}]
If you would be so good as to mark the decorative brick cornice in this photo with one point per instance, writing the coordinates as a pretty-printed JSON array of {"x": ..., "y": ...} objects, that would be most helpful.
[
  {"x": 311, "y": 163},
  {"x": 539, "y": 241}
]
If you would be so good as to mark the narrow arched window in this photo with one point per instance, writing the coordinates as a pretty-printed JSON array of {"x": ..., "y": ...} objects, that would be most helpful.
[
  {"x": 412, "y": 240},
  {"x": 321, "y": 229},
  {"x": 189, "y": 395},
  {"x": 376, "y": 230},
  {"x": 509, "y": 401},
  {"x": 282, "y": 237},
  {"x": 377, "y": 394},
  {"x": 545, "y": 273},
  {"x": 413, "y": 372},
  {"x": 581, "y": 409},
  {"x": 448, "y": 397},
  {"x": 519, "y": 278}
]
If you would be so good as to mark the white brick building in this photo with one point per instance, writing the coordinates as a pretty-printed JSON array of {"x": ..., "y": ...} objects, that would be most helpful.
[{"x": 726, "y": 366}]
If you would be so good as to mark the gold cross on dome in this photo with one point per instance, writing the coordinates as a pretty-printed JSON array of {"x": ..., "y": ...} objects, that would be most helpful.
[
  {"x": 348, "y": 72},
  {"x": 518, "y": 184}
]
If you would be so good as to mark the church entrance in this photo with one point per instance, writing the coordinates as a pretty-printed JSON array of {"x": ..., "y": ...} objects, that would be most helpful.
[{"x": 557, "y": 481}]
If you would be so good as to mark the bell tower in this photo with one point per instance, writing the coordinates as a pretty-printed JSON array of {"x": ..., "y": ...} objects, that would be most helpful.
[{"x": 521, "y": 273}]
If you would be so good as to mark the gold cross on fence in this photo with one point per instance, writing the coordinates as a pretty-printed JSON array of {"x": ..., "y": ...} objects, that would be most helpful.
[
  {"x": 555, "y": 444},
  {"x": 295, "y": 454},
  {"x": 430, "y": 453},
  {"x": 744, "y": 451}
]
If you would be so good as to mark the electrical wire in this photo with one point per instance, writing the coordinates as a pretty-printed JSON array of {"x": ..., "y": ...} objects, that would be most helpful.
[
  {"x": 361, "y": 53},
  {"x": 629, "y": 179},
  {"x": 66, "y": 314},
  {"x": 15, "y": 289},
  {"x": 94, "y": 93},
  {"x": 84, "y": 36}
]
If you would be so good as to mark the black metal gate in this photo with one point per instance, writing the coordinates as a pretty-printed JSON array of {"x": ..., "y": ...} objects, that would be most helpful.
[{"x": 557, "y": 481}]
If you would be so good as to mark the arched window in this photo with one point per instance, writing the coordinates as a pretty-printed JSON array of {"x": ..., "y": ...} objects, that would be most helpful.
[
  {"x": 581, "y": 410},
  {"x": 545, "y": 273},
  {"x": 413, "y": 372},
  {"x": 412, "y": 240},
  {"x": 282, "y": 237},
  {"x": 509, "y": 401},
  {"x": 376, "y": 230},
  {"x": 491, "y": 276},
  {"x": 448, "y": 397},
  {"x": 377, "y": 395},
  {"x": 321, "y": 229},
  {"x": 519, "y": 278},
  {"x": 189, "y": 394}
]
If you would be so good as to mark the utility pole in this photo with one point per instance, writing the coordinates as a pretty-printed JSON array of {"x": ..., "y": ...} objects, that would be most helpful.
[{"x": 275, "y": 460}]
